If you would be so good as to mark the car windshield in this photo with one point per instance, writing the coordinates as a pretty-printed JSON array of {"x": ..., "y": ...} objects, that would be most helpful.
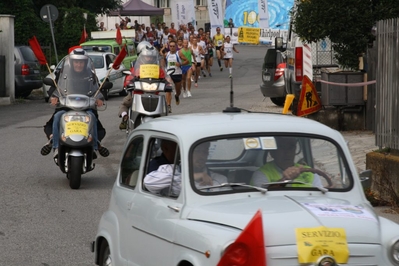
[
  {"x": 97, "y": 48},
  {"x": 264, "y": 162}
]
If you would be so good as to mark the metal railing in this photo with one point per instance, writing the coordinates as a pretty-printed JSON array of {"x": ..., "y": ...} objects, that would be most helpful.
[{"x": 387, "y": 94}]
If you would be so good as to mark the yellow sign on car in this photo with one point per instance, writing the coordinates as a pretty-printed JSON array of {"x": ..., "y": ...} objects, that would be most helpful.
[
  {"x": 313, "y": 243},
  {"x": 149, "y": 71},
  {"x": 76, "y": 128}
]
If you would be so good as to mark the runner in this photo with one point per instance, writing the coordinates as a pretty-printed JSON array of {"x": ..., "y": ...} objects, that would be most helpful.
[
  {"x": 186, "y": 68},
  {"x": 203, "y": 44},
  {"x": 197, "y": 53},
  {"x": 218, "y": 41},
  {"x": 227, "y": 50},
  {"x": 173, "y": 67},
  {"x": 209, "y": 58}
]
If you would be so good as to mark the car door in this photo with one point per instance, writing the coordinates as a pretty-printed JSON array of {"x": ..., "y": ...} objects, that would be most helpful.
[
  {"x": 115, "y": 75},
  {"x": 153, "y": 218}
]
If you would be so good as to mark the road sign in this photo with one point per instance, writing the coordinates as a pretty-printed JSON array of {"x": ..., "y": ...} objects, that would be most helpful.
[
  {"x": 47, "y": 12},
  {"x": 309, "y": 101}
]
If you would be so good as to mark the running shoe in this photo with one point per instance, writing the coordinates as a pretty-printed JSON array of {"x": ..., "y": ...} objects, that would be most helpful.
[
  {"x": 184, "y": 94},
  {"x": 230, "y": 76},
  {"x": 189, "y": 94},
  {"x": 203, "y": 73},
  {"x": 169, "y": 109},
  {"x": 221, "y": 68},
  {"x": 177, "y": 100},
  {"x": 210, "y": 74}
]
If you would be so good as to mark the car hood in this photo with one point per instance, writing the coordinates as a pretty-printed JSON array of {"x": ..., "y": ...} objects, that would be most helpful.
[{"x": 281, "y": 215}]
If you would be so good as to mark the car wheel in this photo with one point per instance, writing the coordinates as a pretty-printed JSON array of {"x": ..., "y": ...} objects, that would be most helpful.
[
  {"x": 23, "y": 94},
  {"x": 105, "y": 255},
  {"x": 279, "y": 101},
  {"x": 123, "y": 93},
  {"x": 105, "y": 94}
]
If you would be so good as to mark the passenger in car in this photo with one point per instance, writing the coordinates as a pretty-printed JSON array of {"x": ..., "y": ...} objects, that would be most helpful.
[
  {"x": 160, "y": 180},
  {"x": 283, "y": 167}
]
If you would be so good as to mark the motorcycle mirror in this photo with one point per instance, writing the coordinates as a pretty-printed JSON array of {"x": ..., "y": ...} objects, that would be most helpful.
[
  {"x": 126, "y": 72},
  {"x": 49, "y": 82}
]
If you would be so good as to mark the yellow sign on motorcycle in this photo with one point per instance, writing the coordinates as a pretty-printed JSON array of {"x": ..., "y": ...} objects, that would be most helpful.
[
  {"x": 76, "y": 128},
  {"x": 149, "y": 71}
]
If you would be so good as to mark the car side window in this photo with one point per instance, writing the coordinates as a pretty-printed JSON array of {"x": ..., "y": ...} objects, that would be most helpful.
[
  {"x": 163, "y": 176},
  {"x": 131, "y": 161}
]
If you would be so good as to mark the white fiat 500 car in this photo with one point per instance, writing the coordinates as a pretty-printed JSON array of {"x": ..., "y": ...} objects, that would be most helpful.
[
  {"x": 240, "y": 189},
  {"x": 102, "y": 62}
]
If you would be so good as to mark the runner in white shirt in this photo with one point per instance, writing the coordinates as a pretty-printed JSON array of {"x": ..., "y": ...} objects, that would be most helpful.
[
  {"x": 227, "y": 50},
  {"x": 173, "y": 68},
  {"x": 198, "y": 53},
  {"x": 203, "y": 44}
]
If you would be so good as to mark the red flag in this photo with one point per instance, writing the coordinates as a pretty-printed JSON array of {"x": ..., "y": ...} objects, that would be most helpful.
[
  {"x": 249, "y": 247},
  {"x": 119, "y": 58},
  {"x": 84, "y": 35},
  {"x": 37, "y": 50},
  {"x": 118, "y": 36},
  {"x": 73, "y": 48}
]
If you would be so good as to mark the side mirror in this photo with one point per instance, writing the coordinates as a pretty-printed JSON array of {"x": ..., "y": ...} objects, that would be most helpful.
[
  {"x": 365, "y": 178},
  {"x": 278, "y": 43},
  {"x": 107, "y": 85},
  {"x": 49, "y": 82}
]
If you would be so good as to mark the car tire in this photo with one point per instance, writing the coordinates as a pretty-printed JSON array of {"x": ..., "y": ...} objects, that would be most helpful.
[
  {"x": 279, "y": 101},
  {"x": 105, "y": 94},
  {"x": 123, "y": 93},
  {"x": 105, "y": 255}
]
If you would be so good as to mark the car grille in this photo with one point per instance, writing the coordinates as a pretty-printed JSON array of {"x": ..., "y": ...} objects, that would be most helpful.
[{"x": 150, "y": 102}]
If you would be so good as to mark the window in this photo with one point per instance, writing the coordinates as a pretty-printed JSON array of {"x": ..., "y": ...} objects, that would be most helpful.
[
  {"x": 131, "y": 163},
  {"x": 202, "y": 2},
  {"x": 163, "y": 168},
  {"x": 162, "y": 3}
]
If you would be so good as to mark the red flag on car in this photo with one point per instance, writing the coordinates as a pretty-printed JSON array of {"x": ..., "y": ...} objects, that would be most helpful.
[
  {"x": 118, "y": 36},
  {"x": 37, "y": 50},
  {"x": 119, "y": 58},
  {"x": 84, "y": 35},
  {"x": 249, "y": 247}
]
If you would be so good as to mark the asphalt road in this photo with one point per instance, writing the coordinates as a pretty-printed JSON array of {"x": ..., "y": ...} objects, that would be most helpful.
[{"x": 43, "y": 222}]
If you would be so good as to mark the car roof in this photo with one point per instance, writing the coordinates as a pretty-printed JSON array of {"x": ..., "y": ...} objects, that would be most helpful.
[{"x": 202, "y": 125}]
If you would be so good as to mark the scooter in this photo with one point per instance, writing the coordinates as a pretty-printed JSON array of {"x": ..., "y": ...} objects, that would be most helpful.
[{"x": 75, "y": 150}]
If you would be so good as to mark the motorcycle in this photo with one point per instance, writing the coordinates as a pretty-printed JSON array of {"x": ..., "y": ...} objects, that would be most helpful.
[
  {"x": 146, "y": 84},
  {"x": 77, "y": 94}
]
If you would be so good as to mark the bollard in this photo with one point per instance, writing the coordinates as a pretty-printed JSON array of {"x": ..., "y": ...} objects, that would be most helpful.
[{"x": 288, "y": 101}]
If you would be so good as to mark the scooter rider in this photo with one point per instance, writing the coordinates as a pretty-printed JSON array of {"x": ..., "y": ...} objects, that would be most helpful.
[
  {"x": 78, "y": 62},
  {"x": 148, "y": 55}
]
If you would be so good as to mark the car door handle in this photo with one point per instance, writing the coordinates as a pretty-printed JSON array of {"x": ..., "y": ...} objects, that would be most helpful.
[{"x": 176, "y": 209}]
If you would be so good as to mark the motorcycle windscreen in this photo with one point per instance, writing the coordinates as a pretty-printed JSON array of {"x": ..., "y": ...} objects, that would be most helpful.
[
  {"x": 148, "y": 67},
  {"x": 78, "y": 77}
]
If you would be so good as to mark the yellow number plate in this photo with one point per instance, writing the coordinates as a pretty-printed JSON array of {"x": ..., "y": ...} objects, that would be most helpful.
[
  {"x": 149, "y": 71},
  {"x": 76, "y": 128},
  {"x": 314, "y": 243}
]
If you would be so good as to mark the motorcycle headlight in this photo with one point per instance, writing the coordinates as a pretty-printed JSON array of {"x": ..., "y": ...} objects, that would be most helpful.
[
  {"x": 149, "y": 87},
  {"x": 78, "y": 118},
  {"x": 394, "y": 252}
]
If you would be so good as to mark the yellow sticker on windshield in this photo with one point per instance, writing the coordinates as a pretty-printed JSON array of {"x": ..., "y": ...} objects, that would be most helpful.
[
  {"x": 149, "y": 71},
  {"x": 313, "y": 243},
  {"x": 76, "y": 128}
]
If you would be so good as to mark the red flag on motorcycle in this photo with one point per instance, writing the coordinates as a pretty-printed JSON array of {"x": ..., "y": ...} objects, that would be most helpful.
[
  {"x": 84, "y": 35},
  {"x": 37, "y": 50},
  {"x": 118, "y": 36},
  {"x": 119, "y": 58},
  {"x": 249, "y": 247}
]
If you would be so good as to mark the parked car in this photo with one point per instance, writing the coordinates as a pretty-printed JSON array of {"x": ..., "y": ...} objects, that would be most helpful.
[
  {"x": 273, "y": 77},
  {"x": 102, "y": 63},
  {"x": 27, "y": 71},
  {"x": 222, "y": 197}
]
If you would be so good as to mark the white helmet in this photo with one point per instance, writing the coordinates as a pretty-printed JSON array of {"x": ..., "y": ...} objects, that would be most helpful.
[
  {"x": 141, "y": 45},
  {"x": 149, "y": 55}
]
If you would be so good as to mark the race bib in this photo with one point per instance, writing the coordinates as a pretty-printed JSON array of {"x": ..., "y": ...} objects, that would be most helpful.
[
  {"x": 220, "y": 43},
  {"x": 149, "y": 71}
]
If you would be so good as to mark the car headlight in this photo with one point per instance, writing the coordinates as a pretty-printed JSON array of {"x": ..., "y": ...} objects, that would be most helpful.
[
  {"x": 78, "y": 118},
  {"x": 149, "y": 87},
  {"x": 394, "y": 252}
]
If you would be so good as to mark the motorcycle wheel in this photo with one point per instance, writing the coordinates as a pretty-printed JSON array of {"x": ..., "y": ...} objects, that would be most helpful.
[{"x": 75, "y": 172}]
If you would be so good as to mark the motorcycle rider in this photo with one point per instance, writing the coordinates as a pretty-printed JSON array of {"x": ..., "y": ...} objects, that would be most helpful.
[
  {"x": 148, "y": 54},
  {"x": 77, "y": 61}
]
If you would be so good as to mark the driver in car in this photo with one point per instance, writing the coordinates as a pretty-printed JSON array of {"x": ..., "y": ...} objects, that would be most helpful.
[
  {"x": 284, "y": 168},
  {"x": 160, "y": 180}
]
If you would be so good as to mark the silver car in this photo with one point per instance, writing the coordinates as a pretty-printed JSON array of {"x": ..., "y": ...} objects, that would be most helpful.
[{"x": 273, "y": 77}]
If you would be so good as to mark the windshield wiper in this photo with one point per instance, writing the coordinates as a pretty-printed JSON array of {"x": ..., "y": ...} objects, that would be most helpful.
[
  {"x": 263, "y": 190},
  {"x": 285, "y": 182}
]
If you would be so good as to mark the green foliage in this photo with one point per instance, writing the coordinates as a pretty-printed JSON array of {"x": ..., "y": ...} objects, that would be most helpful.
[{"x": 347, "y": 23}]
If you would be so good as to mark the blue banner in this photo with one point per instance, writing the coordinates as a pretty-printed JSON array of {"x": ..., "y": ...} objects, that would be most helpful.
[{"x": 245, "y": 13}]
